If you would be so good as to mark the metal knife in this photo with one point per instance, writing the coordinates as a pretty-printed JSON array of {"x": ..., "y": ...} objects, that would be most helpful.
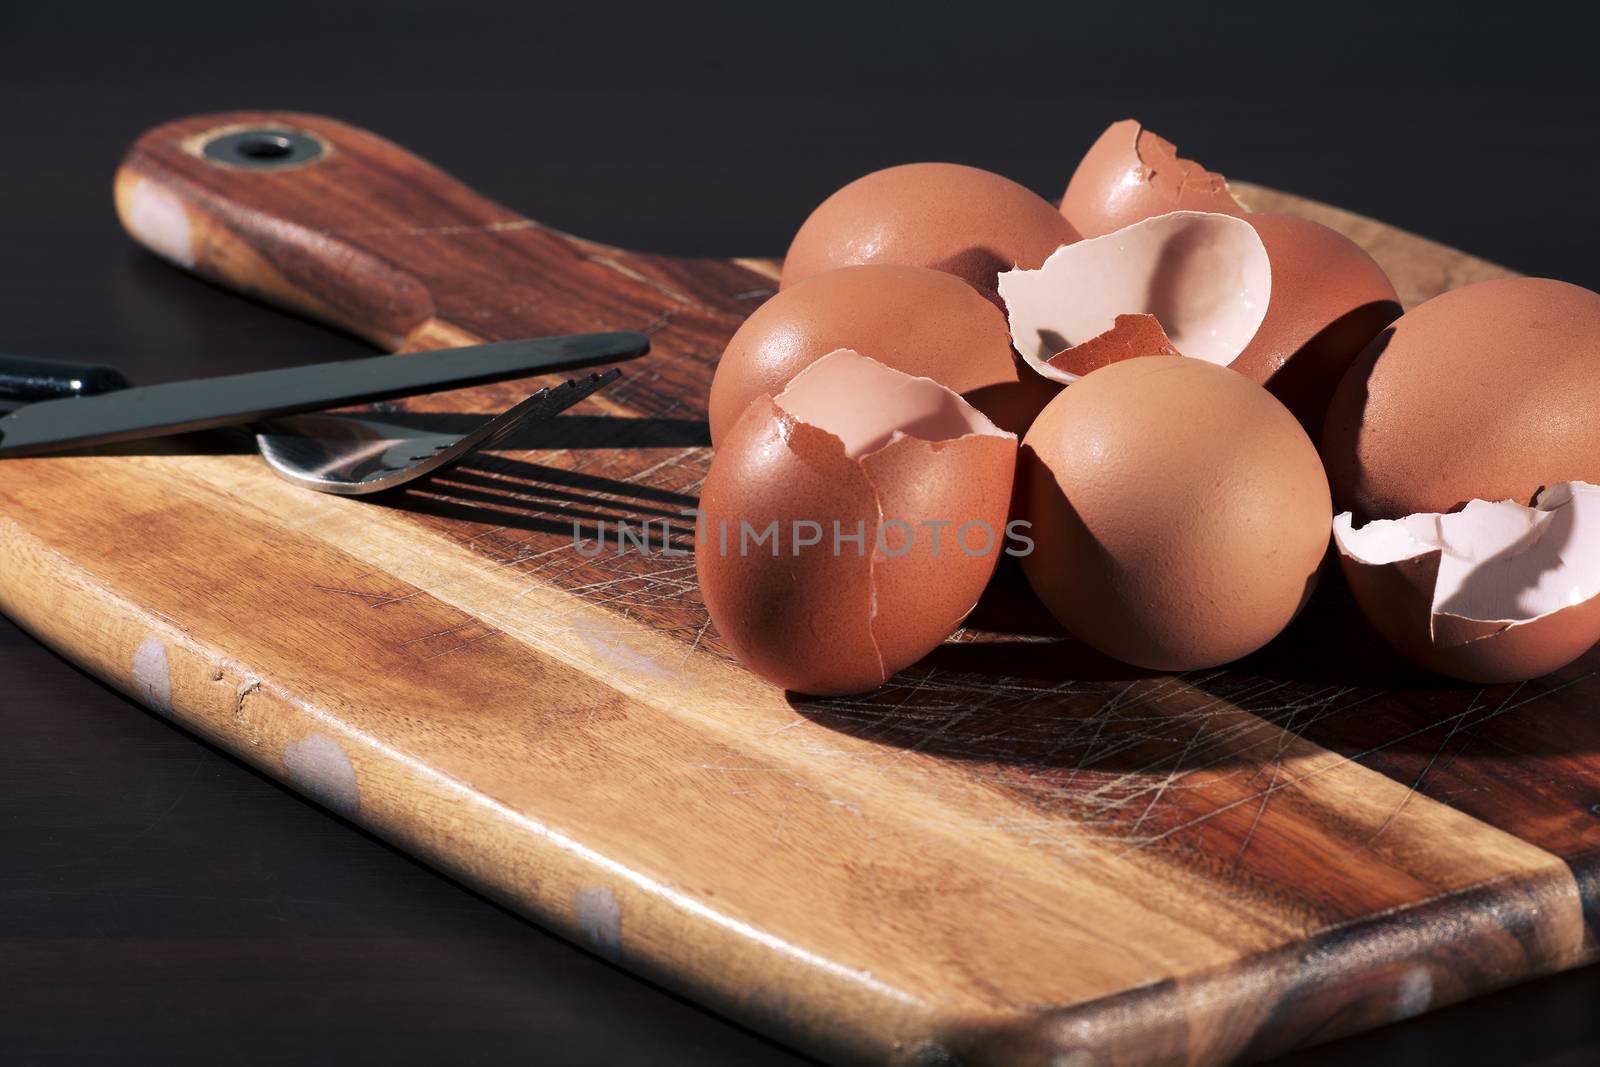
[{"x": 98, "y": 411}]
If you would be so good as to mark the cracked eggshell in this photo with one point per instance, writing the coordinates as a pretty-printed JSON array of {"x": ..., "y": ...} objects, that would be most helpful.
[
  {"x": 851, "y": 441},
  {"x": 1204, "y": 280},
  {"x": 1131, "y": 174},
  {"x": 916, "y": 320},
  {"x": 1180, "y": 513},
  {"x": 1487, "y": 392},
  {"x": 944, "y": 216},
  {"x": 1286, "y": 302},
  {"x": 1329, "y": 299},
  {"x": 1496, "y": 592}
]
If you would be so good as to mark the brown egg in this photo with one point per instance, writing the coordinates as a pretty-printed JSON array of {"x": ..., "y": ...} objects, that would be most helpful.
[
  {"x": 1329, "y": 299},
  {"x": 961, "y": 220},
  {"x": 850, "y": 449},
  {"x": 1179, "y": 512},
  {"x": 1496, "y": 592},
  {"x": 1131, "y": 174},
  {"x": 1486, "y": 392},
  {"x": 920, "y": 321}
]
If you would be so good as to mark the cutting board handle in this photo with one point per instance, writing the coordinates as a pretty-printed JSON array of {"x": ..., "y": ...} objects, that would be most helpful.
[{"x": 339, "y": 224}]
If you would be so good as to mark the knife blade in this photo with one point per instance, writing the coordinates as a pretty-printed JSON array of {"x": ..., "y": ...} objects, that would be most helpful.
[{"x": 207, "y": 403}]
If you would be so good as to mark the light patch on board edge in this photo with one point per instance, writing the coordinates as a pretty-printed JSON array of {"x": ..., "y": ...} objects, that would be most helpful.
[
  {"x": 599, "y": 919},
  {"x": 931, "y": 1053},
  {"x": 1077, "y": 1057},
  {"x": 159, "y": 221},
  {"x": 766, "y": 1002},
  {"x": 319, "y": 767},
  {"x": 1414, "y": 995},
  {"x": 152, "y": 677},
  {"x": 616, "y": 650}
]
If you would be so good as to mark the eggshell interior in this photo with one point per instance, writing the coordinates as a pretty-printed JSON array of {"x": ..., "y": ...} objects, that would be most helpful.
[
  {"x": 1499, "y": 561},
  {"x": 1205, "y": 278},
  {"x": 867, "y": 405}
]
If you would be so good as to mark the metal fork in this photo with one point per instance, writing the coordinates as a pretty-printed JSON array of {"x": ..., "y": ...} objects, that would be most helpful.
[{"x": 354, "y": 455}]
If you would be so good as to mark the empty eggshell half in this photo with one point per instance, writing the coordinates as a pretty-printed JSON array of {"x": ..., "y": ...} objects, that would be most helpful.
[
  {"x": 1495, "y": 592},
  {"x": 1130, "y": 174},
  {"x": 1204, "y": 279},
  {"x": 878, "y": 486}
]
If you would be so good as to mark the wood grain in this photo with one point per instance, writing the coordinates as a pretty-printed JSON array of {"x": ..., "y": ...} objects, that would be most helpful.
[{"x": 1014, "y": 852}]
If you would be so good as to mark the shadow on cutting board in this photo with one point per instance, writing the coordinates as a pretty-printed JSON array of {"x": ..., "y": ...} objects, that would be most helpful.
[
  {"x": 507, "y": 493},
  {"x": 1024, "y": 694},
  {"x": 494, "y": 489}
]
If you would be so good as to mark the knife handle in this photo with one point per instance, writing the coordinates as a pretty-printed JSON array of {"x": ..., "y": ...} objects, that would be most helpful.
[
  {"x": 344, "y": 226},
  {"x": 26, "y": 380}
]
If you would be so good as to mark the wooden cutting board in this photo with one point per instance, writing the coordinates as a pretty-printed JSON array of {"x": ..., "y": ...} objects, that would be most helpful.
[{"x": 1015, "y": 852}]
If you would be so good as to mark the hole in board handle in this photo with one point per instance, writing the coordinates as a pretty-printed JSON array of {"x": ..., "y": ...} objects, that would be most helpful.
[{"x": 263, "y": 148}]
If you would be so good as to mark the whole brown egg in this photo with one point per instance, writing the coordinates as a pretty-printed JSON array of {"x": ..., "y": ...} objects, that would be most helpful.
[
  {"x": 1179, "y": 513},
  {"x": 919, "y": 321},
  {"x": 1486, "y": 392},
  {"x": 961, "y": 220}
]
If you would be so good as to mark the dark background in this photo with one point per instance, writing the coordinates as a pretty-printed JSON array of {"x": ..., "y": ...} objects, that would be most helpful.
[{"x": 158, "y": 900}]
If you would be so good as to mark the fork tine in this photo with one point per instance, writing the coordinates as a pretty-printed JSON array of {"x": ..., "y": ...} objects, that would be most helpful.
[{"x": 548, "y": 402}]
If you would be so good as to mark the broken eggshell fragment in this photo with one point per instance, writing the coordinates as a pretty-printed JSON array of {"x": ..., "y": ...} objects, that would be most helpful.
[
  {"x": 1186, "y": 282},
  {"x": 1130, "y": 174},
  {"x": 1329, "y": 298},
  {"x": 1496, "y": 592},
  {"x": 851, "y": 448}
]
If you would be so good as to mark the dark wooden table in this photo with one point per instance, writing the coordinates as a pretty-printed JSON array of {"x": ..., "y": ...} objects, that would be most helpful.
[{"x": 160, "y": 901}]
